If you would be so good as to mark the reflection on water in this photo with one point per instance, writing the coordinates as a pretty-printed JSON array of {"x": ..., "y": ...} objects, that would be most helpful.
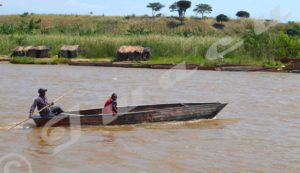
[
  {"x": 205, "y": 124},
  {"x": 257, "y": 132}
]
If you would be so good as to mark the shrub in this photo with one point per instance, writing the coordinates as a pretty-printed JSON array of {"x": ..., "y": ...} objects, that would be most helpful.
[
  {"x": 293, "y": 29},
  {"x": 271, "y": 45},
  {"x": 218, "y": 25},
  {"x": 243, "y": 14},
  {"x": 138, "y": 31},
  {"x": 222, "y": 18}
]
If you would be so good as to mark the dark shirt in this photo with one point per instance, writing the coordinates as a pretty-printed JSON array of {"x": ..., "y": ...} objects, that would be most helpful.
[{"x": 40, "y": 103}]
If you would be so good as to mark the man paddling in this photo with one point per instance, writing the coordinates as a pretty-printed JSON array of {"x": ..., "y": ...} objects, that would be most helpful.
[
  {"x": 110, "y": 105},
  {"x": 46, "y": 109}
]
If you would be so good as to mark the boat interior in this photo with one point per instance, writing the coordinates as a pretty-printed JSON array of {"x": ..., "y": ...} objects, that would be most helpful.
[{"x": 133, "y": 109}]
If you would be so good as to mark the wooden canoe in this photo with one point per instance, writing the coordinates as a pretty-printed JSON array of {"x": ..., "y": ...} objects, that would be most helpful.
[{"x": 134, "y": 115}]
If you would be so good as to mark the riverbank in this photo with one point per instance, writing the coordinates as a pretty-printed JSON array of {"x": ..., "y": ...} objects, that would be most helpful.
[
  {"x": 289, "y": 65},
  {"x": 248, "y": 68},
  {"x": 171, "y": 42},
  {"x": 29, "y": 60},
  {"x": 4, "y": 58}
]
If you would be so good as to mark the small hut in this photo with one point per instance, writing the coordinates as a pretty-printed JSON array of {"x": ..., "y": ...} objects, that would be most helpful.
[
  {"x": 32, "y": 51},
  {"x": 21, "y": 50},
  {"x": 69, "y": 51},
  {"x": 133, "y": 53},
  {"x": 39, "y": 52}
]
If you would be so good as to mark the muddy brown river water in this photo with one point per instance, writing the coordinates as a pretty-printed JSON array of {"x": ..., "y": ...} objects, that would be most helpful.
[{"x": 259, "y": 130}]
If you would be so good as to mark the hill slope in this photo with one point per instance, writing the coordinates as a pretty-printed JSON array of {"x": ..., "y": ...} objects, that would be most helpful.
[{"x": 170, "y": 40}]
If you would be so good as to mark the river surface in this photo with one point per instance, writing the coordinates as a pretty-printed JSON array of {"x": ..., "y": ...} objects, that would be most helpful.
[{"x": 259, "y": 130}]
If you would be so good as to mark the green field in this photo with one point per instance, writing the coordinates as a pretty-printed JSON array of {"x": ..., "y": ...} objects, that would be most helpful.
[{"x": 171, "y": 41}]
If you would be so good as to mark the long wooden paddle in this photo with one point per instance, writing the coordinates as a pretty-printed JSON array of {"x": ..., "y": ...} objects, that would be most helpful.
[{"x": 56, "y": 100}]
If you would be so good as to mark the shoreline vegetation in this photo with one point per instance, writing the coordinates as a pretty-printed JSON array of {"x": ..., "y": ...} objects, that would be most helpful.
[{"x": 171, "y": 40}]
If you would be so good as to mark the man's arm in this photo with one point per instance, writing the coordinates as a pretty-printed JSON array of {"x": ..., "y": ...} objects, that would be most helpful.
[
  {"x": 50, "y": 104},
  {"x": 32, "y": 108},
  {"x": 114, "y": 107}
]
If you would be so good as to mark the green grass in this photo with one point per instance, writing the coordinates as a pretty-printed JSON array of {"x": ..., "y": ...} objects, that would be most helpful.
[
  {"x": 166, "y": 49},
  {"x": 241, "y": 60},
  {"x": 171, "y": 42},
  {"x": 106, "y": 46},
  {"x": 115, "y": 25},
  {"x": 29, "y": 60}
]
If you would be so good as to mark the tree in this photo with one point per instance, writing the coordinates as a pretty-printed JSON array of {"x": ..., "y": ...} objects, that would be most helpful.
[
  {"x": 155, "y": 6},
  {"x": 202, "y": 9},
  {"x": 222, "y": 18},
  {"x": 243, "y": 14},
  {"x": 173, "y": 7},
  {"x": 181, "y": 7}
]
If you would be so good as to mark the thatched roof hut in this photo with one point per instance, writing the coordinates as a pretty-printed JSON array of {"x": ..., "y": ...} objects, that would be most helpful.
[
  {"x": 133, "y": 53},
  {"x": 39, "y": 52},
  {"x": 32, "y": 51},
  {"x": 69, "y": 51},
  {"x": 21, "y": 50}
]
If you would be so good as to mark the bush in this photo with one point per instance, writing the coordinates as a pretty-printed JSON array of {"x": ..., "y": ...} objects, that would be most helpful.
[
  {"x": 24, "y": 27},
  {"x": 138, "y": 31},
  {"x": 244, "y": 14},
  {"x": 271, "y": 45},
  {"x": 219, "y": 26},
  {"x": 293, "y": 29},
  {"x": 222, "y": 18}
]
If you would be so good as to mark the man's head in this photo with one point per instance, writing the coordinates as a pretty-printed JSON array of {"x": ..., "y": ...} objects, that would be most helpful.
[
  {"x": 114, "y": 96},
  {"x": 42, "y": 91}
]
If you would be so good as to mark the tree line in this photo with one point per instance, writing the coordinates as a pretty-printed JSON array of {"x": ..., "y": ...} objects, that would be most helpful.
[{"x": 182, "y": 6}]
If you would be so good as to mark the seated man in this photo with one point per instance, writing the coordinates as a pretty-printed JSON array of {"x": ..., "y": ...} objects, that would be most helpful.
[
  {"x": 45, "y": 109},
  {"x": 110, "y": 105}
]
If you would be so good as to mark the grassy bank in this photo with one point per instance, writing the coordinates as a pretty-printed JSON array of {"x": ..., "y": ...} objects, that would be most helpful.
[
  {"x": 106, "y": 46},
  {"x": 28, "y": 60},
  {"x": 126, "y": 25},
  {"x": 172, "y": 42},
  {"x": 118, "y": 25},
  {"x": 266, "y": 49}
]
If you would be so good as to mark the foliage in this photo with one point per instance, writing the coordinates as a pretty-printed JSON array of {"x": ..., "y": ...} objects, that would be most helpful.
[
  {"x": 293, "y": 29},
  {"x": 171, "y": 40},
  {"x": 271, "y": 45},
  {"x": 106, "y": 46},
  {"x": 155, "y": 6},
  {"x": 219, "y": 25},
  {"x": 174, "y": 7},
  {"x": 243, "y": 14},
  {"x": 203, "y": 9},
  {"x": 181, "y": 7},
  {"x": 138, "y": 31},
  {"x": 24, "y": 27},
  {"x": 222, "y": 18},
  {"x": 29, "y": 60},
  {"x": 98, "y": 25},
  {"x": 24, "y": 14}
]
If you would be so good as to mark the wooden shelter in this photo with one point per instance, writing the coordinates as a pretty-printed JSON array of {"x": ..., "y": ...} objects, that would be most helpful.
[
  {"x": 69, "y": 51},
  {"x": 20, "y": 51},
  {"x": 130, "y": 53},
  {"x": 32, "y": 51}
]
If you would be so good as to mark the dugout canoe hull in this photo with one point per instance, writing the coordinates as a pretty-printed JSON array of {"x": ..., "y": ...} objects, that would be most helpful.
[{"x": 134, "y": 115}]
